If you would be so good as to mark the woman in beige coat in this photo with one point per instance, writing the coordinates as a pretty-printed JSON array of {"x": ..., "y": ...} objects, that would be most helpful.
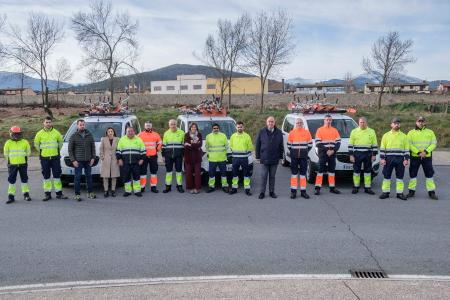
[{"x": 110, "y": 167}]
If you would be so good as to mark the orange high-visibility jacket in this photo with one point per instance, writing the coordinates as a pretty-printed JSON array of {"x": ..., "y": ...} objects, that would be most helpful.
[
  {"x": 299, "y": 143},
  {"x": 152, "y": 142},
  {"x": 327, "y": 138}
]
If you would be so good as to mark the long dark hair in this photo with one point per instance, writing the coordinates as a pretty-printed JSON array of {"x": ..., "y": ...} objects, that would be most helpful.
[
  {"x": 106, "y": 131},
  {"x": 193, "y": 124}
]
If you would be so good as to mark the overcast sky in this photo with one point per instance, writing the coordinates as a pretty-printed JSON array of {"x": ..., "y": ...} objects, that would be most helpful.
[{"x": 331, "y": 36}]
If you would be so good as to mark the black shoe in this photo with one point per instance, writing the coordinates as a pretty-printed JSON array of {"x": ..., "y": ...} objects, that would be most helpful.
[
  {"x": 384, "y": 195},
  {"x": 304, "y": 194},
  {"x": 26, "y": 197},
  {"x": 167, "y": 189},
  {"x": 317, "y": 192},
  {"x": 210, "y": 190},
  {"x": 10, "y": 199},
  {"x": 335, "y": 191},
  {"x": 369, "y": 191},
  {"x": 355, "y": 190},
  {"x": 248, "y": 192},
  {"x": 433, "y": 195},
  {"x": 60, "y": 195},
  {"x": 106, "y": 194},
  {"x": 47, "y": 196},
  {"x": 261, "y": 196},
  {"x": 233, "y": 191},
  {"x": 113, "y": 193},
  {"x": 138, "y": 194},
  {"x": 225, "y": 190},
  {"x": 143, "y": 190},
  {"x": 273, "y": 195},
  {"x": 402, "y": 197},
  {"x": 77, "y": 198},
  {"x": 180, "y": 189},
  {"x": 153, "y": 189},
  {"x": 293, "y": 194},
  {"x": 126, "y": 194},
  {"x": 410, "y": 194}
]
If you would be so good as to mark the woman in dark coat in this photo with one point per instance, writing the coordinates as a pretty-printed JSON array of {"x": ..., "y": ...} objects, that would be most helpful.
[{"x": 193, "y": 158}]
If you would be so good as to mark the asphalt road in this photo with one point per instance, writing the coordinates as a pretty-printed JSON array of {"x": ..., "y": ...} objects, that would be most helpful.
[{"x": 218, "y": 234}]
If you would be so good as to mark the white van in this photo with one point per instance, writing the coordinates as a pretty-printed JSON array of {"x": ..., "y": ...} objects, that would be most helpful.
[
  {"x": 344, "y": 124},
  {"x": 97, "y": 125}
]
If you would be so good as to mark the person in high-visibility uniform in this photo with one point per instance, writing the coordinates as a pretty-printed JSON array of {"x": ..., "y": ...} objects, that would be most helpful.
[
  {"x": 216, "y": 144},
  {"x": 16, "y": 152},
  {"x": 153, "y": 144},
  {"x": 328, "y": 142},
  {"x": 172, "y": 151},
  {"x": 363, "y": 149},
  {"x": 299, "y": 144},
  {"x": 422, "y": 142},
  {"x": 394, "y": 154},
  {"x": 130, "y": 155},
  {"x": 48, "y": 142},
  {"x": 241, "y": 147}
]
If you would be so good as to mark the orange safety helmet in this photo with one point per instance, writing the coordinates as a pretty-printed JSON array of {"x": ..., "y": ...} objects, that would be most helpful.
[{"x": 15, "y": 129}]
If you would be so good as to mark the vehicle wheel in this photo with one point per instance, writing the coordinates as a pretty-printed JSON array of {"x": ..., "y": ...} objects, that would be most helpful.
[
  {"x": 310, "y": 173},
  {"x": 65, "y": 181},
  {"x": 284, "y": 161}
]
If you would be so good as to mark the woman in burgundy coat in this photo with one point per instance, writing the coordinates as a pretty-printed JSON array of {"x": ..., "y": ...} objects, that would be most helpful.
[{"x": 193, "y": 158}]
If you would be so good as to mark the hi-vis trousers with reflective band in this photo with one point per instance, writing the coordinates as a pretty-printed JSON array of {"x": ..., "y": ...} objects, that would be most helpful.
[
  {"x": 326, "y": 163},
  {"x": 241, "y": 162},
  {"x": 427, "y": 165},
  {"x": 212, "y": 173},
  {"x": 178, "y": 162},
  {"x": 360, "y": 159},
  {"x": 130, "y": 176},
  {"x": 49, "y": 167},
  {"x": 393, "y": 162},
  {"x": 298, "y": 166},
  {"x": 152, "y": 162},
  {"x": 12, "y": 176}
]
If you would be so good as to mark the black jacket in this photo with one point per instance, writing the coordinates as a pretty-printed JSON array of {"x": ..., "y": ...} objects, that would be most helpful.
[
  {"x": 81, "y": 148},
  {"x": 269, "y": 146}
]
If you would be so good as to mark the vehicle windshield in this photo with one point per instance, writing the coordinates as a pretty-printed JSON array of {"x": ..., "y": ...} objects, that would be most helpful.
[
  {"x": 226, "y": 126},
  {"x": 344, "y": 126},
  {"x": 97, "y": 129}
]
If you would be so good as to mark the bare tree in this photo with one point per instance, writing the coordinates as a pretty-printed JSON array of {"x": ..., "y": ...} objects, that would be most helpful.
[
  {"x": 270, "y": 45},
  {"x": 2, "y": 26},
  {"x": 62, "y": 73},
  {"x": 108, "y": 40},
  {"x": 33, "y": 47},
  {"x": 348, "y": 82},
  {"x": 388, "y": 59}
]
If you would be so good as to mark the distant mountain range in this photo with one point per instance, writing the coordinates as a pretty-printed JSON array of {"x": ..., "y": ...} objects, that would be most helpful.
[
  {"x": 362, "y": 79},
  {"x": 13, "y": 80}
]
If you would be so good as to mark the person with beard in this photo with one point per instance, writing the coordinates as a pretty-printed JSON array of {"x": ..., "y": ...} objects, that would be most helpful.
[
  {"x": 241, "y": 147},
  {"x": 153, "y": 144}
]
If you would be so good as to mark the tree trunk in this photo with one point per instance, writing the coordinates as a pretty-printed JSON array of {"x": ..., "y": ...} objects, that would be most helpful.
[
  {"x": 111, "y": 90},
  {"x": 229, "y": 95},
  {"x": 57, "y": 95},
  {"x": 46, "y": 104},
  {"x": 261, "y": 108}
]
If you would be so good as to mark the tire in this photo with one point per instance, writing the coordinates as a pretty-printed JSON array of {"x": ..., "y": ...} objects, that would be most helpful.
[
  {"x": 310, "y": 173},
  {"x": 65, "y": 181},
  {"x": 284, "y": 161}
]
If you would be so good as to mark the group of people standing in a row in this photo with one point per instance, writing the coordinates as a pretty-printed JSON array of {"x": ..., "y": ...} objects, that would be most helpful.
[{"x": 130, "y": 157}]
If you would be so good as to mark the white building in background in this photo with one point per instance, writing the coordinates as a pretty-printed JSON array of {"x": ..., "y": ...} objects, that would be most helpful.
[
  {"x": 320, "y": 88},
  {"x": 185, "y": 84}
]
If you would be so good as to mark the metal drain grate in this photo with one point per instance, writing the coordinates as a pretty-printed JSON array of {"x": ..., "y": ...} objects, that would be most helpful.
[{"x": 368, "y": 274}]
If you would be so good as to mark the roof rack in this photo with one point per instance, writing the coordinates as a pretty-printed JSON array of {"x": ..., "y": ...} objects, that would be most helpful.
[
  {"x": 100, "y": 114},
  {"x": 207, "y": 108},
  {"x": 317, "y": 108}
]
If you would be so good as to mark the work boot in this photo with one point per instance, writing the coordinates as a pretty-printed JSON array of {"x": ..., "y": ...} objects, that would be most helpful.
[
  {"x": 153, "y": 189},
  {"x": 59, "y": 195},
  {"x": 355, "y": 190},
  {"x": 402, "y": 197},
  {"x": 293, "y": 194},
  {"x": 113, "y": 193},
  {"x": 106, "y": 194},
  {"x": 210, "y": 190},
  {"x": 334, "y": 190},
  {"x": 384, "y": 195},
  {"x": 126, "y": 194},
  {"x": 248, "y": 192},
  {"x": 143, "y": 190},
  {"x": 47, "y": 196},
  {"x": 167, "y": 189},
  {"x": 433, "y": 195},
  {"x": 304, "y": 194},
  {"x": 233, "y": 191},
  {"x": 317, "y": 192},
  {"x": 10, "y": 199},
  {"x": 273, "y": 195},
  {"x": 138, "y": 194},
  {"x": 369, "y": 191},
  {"x": 411, "y": 194},
  {"x": 261, "y": 196},
  {"x": 26, "y": 197},
  {"x": 225, "y": 189},
  {"x": 180, "y": 189}
]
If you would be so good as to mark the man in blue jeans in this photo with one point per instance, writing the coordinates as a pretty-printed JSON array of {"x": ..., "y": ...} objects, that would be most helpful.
[{"x": 82, "y": 156}]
